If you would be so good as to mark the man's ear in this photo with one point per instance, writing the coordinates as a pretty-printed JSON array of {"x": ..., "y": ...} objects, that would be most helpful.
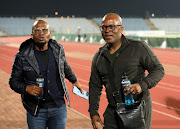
[
  {"x": 32, "y": 36},
  {"x": 122, "y": 28},
  {"x": 50, "y": 34}
]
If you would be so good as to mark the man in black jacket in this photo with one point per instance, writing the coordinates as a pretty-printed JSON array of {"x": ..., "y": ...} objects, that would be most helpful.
[
  {"x": 42, "y": 57},
  {"x": 125, "y": 56}
]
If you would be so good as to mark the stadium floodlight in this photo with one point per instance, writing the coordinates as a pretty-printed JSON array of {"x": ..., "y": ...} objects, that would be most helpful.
[
  {"x": 153, "y": 15},
  {"x": 56, "y": 13}
]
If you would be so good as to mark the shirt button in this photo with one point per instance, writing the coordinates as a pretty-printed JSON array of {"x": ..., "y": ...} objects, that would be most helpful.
[
  {"x": 48, "y": 81},
  {"x": 48, "y": 71},
  {"x": 48, "y": 91}
]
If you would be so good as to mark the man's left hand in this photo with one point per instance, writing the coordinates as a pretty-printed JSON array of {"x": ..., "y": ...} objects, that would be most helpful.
[
  {"x": 78, "y": 86},
  {"x": 134, "y": 88}
]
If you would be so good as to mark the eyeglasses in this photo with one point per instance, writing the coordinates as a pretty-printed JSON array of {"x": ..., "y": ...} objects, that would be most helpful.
[
  {"x": 38, "y": 31},
  {"x": 110, "y": 27}
]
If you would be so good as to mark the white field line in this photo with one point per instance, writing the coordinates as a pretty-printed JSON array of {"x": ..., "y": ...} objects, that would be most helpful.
[
  {"x": 83, "y": 80},
  {"x": 166, "y": 114},
  {"x": 169, "y": 84},
  {"x": 80, "y": 65},
  {"x": 11, "y": 45},
  {"x": 167, "y": 88},
  {"x": 166, "y": 106}
]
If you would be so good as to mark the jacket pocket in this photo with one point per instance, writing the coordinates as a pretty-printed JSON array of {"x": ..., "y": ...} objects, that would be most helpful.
[
  {"x": 29, "y": 73},
  {"x": 27, "y": 69},
  {"x": 105, "y": 79}
]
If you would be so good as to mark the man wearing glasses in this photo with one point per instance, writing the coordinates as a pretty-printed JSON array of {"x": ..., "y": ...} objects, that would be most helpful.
[
  {"x": 41, "y": 61},
  {"x": 125, "y": 56}
]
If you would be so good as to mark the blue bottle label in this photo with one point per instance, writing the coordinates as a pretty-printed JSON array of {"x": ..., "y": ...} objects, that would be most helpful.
[
  {"x": 40, "y": 83},
  {"x": 129, "y": 100}
]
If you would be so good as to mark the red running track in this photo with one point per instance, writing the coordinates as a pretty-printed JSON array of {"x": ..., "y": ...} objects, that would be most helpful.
[{"x": 165, "y": 96}]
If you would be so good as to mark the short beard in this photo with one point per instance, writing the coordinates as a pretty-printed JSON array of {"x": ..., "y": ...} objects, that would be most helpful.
[
  {"x": 40, "y": 45},
  {"x": 112, "y": 44}
]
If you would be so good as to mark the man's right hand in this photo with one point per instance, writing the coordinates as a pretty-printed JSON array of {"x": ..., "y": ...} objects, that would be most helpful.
[
  {"x": 34, "y": 90},
  {"x": 96, "y": 122}
]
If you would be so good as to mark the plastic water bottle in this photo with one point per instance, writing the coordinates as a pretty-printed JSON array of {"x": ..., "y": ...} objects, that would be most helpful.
[
  {"x": 40, "y": 83},
  {"x": 129, "y": 100}
]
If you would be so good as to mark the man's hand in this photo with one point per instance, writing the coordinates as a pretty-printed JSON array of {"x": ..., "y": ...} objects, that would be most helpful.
[
  {"x": 135, "y": 89},
  {"x": 96, "y": 122},
  {"x": 34, "y": 90},
  {"x": 78, "y": 86}
]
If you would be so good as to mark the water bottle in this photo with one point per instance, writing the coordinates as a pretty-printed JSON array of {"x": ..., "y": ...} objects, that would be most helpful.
[
  {"x": 129, "y": 100},
  {"x": 40, "y": 83}
]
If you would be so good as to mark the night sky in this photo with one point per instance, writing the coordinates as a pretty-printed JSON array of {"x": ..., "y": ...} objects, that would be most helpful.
[{"x": 90, "y": 8}]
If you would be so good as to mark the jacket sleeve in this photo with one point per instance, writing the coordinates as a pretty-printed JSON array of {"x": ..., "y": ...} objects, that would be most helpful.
[
  {"x": 16, "y": 79},
  {"x": 69, "y": 74},
  {"x": 95, "y": 88},
  {"x": 151, "y": 63}
]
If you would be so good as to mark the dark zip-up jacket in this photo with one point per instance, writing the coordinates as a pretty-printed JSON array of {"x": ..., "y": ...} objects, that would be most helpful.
[
  {"x": 133, "y": 58},
  {"x": 25, "y": 70}
]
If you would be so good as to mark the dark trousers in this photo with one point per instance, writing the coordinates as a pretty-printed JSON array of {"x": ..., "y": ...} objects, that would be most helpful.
[
  {"x": 111, "y": 119},
  {"x": 79, "y": 38}
]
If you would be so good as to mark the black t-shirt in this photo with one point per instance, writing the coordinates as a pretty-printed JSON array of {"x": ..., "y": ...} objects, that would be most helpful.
[
  {"x": 47, "y": 102},
  {"x": 112, "y": 57},
  {"x": 44, "y": 55}
]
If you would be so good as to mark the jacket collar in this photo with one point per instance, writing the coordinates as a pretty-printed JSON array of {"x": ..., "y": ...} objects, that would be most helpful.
[
  {"x": 27, "y": 50},
  {"x": 125, "y": 44},
  {"x": 26, "y": 47}
]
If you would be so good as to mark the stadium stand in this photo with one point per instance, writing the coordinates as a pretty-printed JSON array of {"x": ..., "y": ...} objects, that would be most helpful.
[
  {"x": 16, "y": 26},
  {"x": 130, "y": 24},
  {"x": 170, "y": 25},
  {"x": 70, "y": 25},
  {"x": 2, "y": 34}
]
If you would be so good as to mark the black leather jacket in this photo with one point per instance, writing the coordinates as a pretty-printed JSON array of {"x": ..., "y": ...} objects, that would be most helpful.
[
  {"x": 25, "y": 71},
  {"x": 133, "y": 58}
]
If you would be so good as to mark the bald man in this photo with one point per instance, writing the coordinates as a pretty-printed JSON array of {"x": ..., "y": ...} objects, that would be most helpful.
[
  {"x": 42, "y": 58},
  {"x": 125, "y": 56}
]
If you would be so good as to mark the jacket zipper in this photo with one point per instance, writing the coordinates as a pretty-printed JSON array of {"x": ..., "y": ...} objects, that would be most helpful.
[
  {"x": 35, "y": 112},
  {"x": 62, "y": 81},
  {"x": 115, "y": 61},
  {"x": 59, "y": 61}
]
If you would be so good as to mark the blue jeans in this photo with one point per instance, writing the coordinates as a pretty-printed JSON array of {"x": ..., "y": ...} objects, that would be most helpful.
[{"x": 53, "y": 118}]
